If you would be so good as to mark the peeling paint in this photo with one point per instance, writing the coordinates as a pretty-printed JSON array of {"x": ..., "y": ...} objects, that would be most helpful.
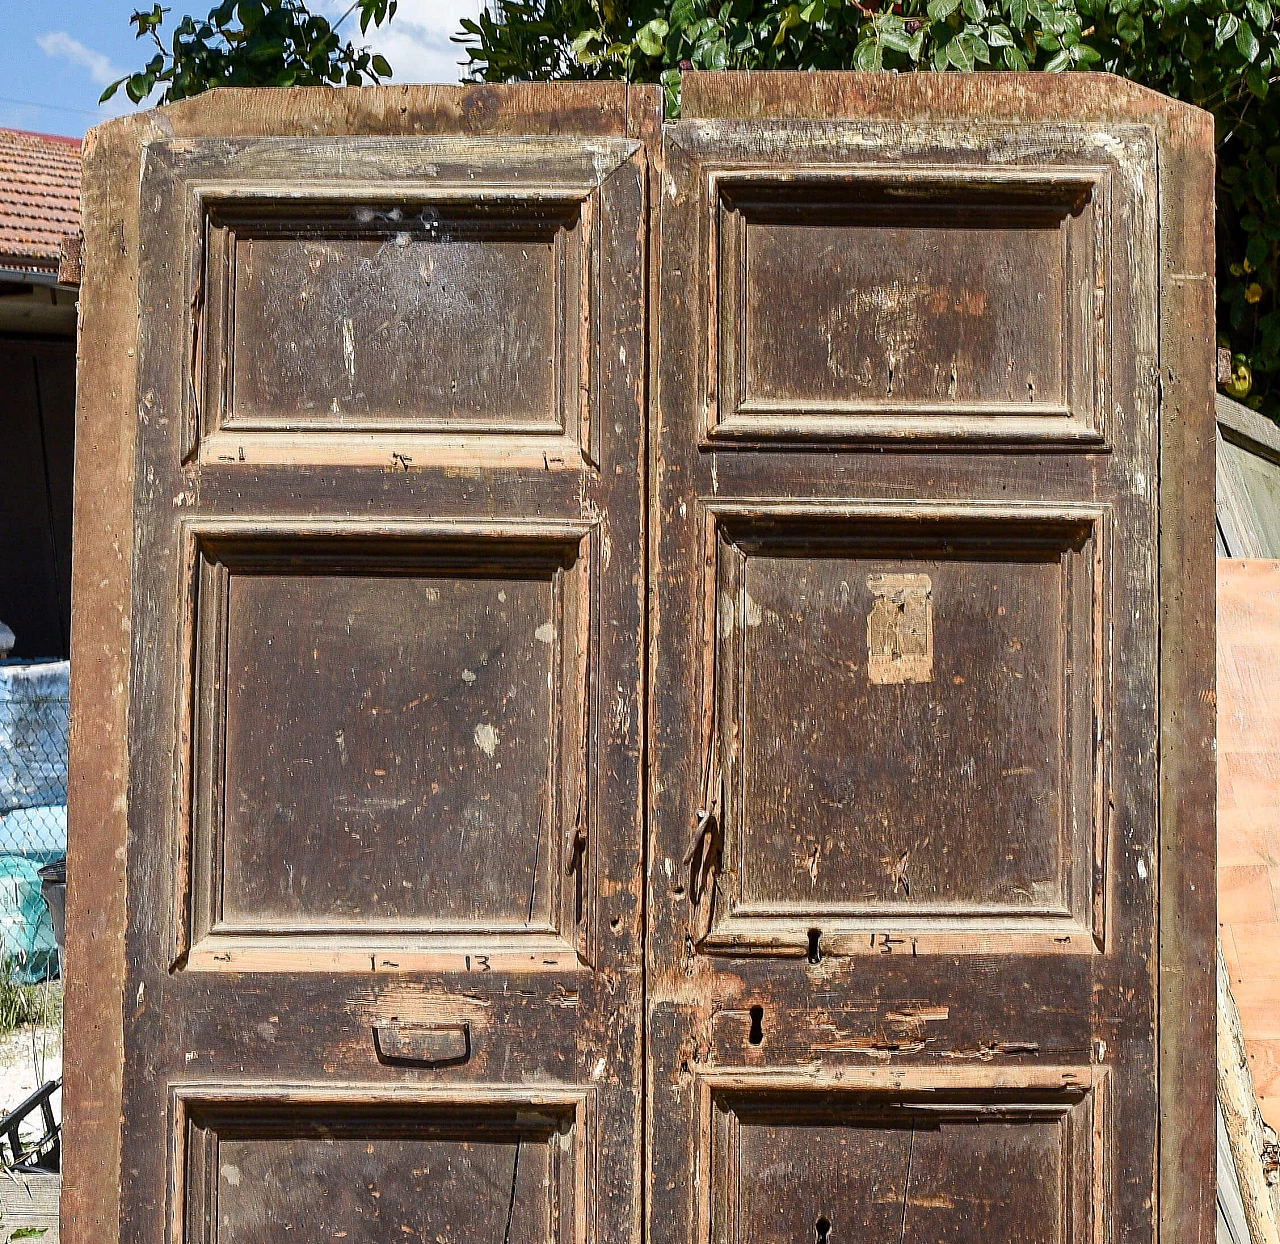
[{"x": 486, "y": 738}]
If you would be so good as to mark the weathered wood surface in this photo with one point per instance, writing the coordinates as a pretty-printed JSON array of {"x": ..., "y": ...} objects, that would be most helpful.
[
  {"x": 350, "y": 599},
  {"x": 29, "y": 1203},
  {"x": 1251, "y": 1143},
  {"x": 1248, "y": 482},
  {"x": 248, "y": 550},
  {"x": 841, "y": 963}
]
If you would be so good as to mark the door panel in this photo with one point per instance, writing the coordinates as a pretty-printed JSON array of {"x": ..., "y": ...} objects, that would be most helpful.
[
  {"x": 868, "y": 1162},
  {"x": 377, "y": 722},
  {"x": 385, "y": 941},
  {"x": 909, "y": 699},
  {"x": 903, "y": 774},
  {"x": 397, "y": 1166},
  {"x": 934, "y": 301}
]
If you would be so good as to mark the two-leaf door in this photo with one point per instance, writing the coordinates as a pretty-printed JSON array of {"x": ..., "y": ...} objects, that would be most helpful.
[{"x": 645, "y": 642}]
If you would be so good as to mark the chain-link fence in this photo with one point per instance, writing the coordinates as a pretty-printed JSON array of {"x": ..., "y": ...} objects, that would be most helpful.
[{"x": 34, "y": 714}]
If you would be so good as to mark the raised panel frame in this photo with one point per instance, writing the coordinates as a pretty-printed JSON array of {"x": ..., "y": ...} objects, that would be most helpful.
[
  {"x": 565, "y": 940},
  {"x": 1078, "y": 1098},
  {"x": 231, "y": 219},
  {"x": 547, "y": 175},
  {"x": 197, "y": 1107},
  {"x": 1078, "y": 923},
  {"x": 1082, "y": 196},
  {"x": 1104, "y": 164}
]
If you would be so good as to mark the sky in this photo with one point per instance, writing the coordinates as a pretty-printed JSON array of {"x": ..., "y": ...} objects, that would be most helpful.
[{"x": 56, "y": 56}]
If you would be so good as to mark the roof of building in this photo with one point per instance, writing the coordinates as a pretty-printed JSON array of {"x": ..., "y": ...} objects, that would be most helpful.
[{"x": 39, "y": 198}]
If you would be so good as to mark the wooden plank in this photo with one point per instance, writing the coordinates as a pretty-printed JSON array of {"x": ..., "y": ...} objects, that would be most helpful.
[
  {"x": 1188, "y": 839},
  {"x": 1233, "y": 1227},
  {"x": 1243, "y": 1182},
  {"x": 1252, "y": 501},
  {"x": 98, "y": 784},
  {"x": 1239, "y": 527},
  {"x": 1248, "y": 427},
  {"x": 29, "y": 1203}
]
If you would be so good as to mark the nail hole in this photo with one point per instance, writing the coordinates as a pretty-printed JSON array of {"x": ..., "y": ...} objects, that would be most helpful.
[
  {"x": 815, "y": 952},
  {"x": 756, "y": 1036},
  {"x": 824, "y": 1231},
  {"x": 616, "y": 923}
]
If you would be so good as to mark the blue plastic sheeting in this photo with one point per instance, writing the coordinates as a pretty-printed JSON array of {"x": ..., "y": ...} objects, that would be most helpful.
[
  {"x": 26, "y": 928},
  {"x": 34, "y": 715},
  {"x": 34, "y": 831}
]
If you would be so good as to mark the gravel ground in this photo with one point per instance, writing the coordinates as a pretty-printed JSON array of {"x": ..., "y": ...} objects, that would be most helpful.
[{"x": 28, "y": 1058}]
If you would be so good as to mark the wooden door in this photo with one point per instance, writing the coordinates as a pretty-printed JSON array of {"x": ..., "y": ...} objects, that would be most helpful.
[
  {"x": 375, "y": 930},
  {"x": 384, "y": 970},
  {"x": 930, "y": 944}
]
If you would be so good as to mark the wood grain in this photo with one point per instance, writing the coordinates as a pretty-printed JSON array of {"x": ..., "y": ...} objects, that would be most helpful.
[
  {"x": 956, "y": 988},
  {"x": 568, "y": 1016}
]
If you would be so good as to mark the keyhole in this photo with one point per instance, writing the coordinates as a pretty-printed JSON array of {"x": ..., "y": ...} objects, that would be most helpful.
[
  {"x": 815, "y": 951},
  {"x": 824, "y": 1231},
  {"x": 756, "y": 1035}
]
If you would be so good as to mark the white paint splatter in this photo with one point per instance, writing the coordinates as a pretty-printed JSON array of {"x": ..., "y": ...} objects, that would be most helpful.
[
  {"x": 727, "y": 619},
  {"x": 231, "y": 1173},
  {"x": 1108, "y": 142},
  {"x": 1142, "y": 868},
  {"x": 349, "y": 349},
  {"x": 486, "y": 738},
  {"x": 468, "y": 676},
  {"x": 546, "y": 632},
  {"x": 755, "y": 615}
]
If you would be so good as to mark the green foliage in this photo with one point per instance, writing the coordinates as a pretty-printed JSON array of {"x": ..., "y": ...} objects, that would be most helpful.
[
  {"x": 254, "y": 43},
  {"x": 21, "y": 1005},
  {"x": 1223, "y": 55}
]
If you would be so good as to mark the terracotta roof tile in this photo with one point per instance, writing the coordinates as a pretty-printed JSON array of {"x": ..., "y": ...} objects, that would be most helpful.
[{"x": 39, "y": 197}]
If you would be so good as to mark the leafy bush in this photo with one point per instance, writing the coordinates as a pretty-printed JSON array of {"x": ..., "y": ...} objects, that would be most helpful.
[
  {"x": 1222, "y": 55},
  {"x": 253, "y": 43}
]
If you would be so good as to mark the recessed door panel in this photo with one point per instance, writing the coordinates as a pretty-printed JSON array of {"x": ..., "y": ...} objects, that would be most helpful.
[
  {"x": 956, "y": 1166},
  {"x": 904, "y": 712},
  {"x": 374, "y": 720},
  {"x": 323, "y": 1166},
  {"x": 849, "y": 302},
  {"x": 369, "y": 840},
  {"x": 446, "y": 315}
]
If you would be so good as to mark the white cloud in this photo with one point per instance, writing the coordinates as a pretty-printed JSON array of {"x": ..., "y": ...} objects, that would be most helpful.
[
  {"x": 417, "y": 41},
  {"x": 59, "y": 44},
  {"x": 102, "y": 71}
]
